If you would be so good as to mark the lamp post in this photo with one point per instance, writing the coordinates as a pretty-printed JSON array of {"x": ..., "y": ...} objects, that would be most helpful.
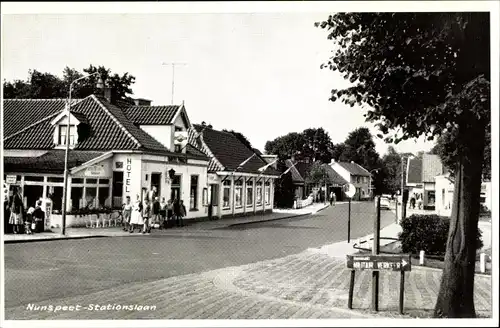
[{"x": 66, "y": 154}]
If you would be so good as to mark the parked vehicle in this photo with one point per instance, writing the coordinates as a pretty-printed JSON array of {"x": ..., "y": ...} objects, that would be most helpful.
[{"x": 384, "y": 203}]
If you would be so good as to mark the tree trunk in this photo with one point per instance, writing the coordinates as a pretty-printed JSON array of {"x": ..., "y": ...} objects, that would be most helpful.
[{"x": 456, "y": 293}]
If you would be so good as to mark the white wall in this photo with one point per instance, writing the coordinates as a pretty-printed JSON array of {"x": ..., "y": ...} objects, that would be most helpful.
[
  {"x": 163, "y": 133},
  {"x": 341, "y": 171},
  {"x": 444, "y": 188},
  {"x": 132, "y": 170}
]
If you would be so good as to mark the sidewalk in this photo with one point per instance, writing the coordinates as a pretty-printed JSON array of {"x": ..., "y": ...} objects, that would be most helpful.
[{"x": 79, "y": 233}]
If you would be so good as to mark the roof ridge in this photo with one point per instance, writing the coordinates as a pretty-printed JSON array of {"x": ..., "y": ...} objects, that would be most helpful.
[
  {"x": 40, "y": 99},
  {"x": 124, "y": 129},
  {"x": 32, "y": 125},
  {"x": 206, "y": 149}
]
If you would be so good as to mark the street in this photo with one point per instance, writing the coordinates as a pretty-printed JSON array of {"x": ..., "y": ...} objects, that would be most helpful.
[{"x": 55, "y": 270}]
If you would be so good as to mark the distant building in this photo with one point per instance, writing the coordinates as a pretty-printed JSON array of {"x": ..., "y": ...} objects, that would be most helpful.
[
  {"x": 445, "y": 188},
  {"x": 355, "y": 174},
  {"x": 420, "y": 178}
]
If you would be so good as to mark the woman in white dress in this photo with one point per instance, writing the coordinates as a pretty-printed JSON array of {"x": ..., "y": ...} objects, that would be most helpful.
[{"x": 136, "y": 218}]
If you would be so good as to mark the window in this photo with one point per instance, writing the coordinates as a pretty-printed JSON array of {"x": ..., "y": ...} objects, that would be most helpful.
[
  {"x": 205, "y": 197},
  {"x": 63, "y": 132},
  {"x": 103, "y": 196},
  {"x": 90, "y": 197},
  {"x": 177, "y": 148},
  {"x": 91, "y": 181},
  {"x": 249, "y": 193},
  {"x": 193, "y": 194},
  {"x": 259, "y": 193},
  {"x": 175, "y": 187},
  {"x": 268, "y": 193},
  {"x": 238, "y": 191},
  {"x": 76, "y": 180},
  {"x": 104, "y": 181},
  {"x": 178, "y": 128},
  {"x": 33, "y": 178},
  {"x": 226, "y": 194},
  {"x": 55, "y": 179}
]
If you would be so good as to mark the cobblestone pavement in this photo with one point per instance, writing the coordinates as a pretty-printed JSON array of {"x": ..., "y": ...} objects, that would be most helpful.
[{"x": 309, "y": 285}]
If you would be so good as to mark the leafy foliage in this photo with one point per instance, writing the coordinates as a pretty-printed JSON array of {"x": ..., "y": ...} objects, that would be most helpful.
[
  {"x": 427, "y": 233},
  {"x": 48, "y": 86},
  {"x": 410, "y": 68},
  {"x": 314, "y": 144},
  {"x": 317, "y": 174}
]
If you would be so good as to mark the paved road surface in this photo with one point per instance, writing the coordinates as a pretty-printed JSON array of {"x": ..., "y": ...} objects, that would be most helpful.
[{"x": 39, "y": 271}]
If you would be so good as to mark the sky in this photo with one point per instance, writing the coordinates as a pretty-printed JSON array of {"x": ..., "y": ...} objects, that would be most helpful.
[{"x": 258, "y": 74}]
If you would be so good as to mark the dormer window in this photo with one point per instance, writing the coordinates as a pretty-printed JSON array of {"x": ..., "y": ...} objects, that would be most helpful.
[
  {"x": 78, "y": 128},
  {"x": 63, "y": 133}
]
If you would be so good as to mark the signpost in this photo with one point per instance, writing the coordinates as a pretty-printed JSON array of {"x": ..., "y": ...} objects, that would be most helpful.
[
  {"x": 350, "y": 191},
  {"x": 376, "y": 263}
]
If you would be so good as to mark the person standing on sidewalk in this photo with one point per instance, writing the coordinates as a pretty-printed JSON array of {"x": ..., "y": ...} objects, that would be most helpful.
[
  {"x": 156, "y": 214},
  {"x": 163, "y": 213},
  {"x": 177, "y": 211},
  {"x": 182, "y": 213},
  {"x": 16, "y": 211},
  {"x": 331, "y": 198},
  {"x": 170, "y": 213},
  {"x": 127, "y": 214},
  {"x": 136, "y": 217},
  {"x": 146, "y": 216},
  {"x": 39, "y": 217}
]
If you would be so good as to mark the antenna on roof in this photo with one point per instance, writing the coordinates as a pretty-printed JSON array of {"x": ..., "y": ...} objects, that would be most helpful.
[{"x": 173, "y": 76}]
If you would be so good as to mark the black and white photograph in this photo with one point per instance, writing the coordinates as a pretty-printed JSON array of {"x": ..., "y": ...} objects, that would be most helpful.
[{"x": 272, "y": 163}]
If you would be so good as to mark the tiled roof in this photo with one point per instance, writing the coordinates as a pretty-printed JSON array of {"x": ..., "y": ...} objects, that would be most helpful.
[
  {"x": 354, "y": 168},
  {"x": 230, "y": 152},
  {"x": 414, "y": 171},
  {"x": 110, "y": 129},
  {"x": 296, "y": 177},
  {"x": 80, "y": 117},
  {"x": 21, "y": 113},
  {"x": 431, "y": 167},
  {"x": 50, "y": 162},
  {"x": 258, "y": 152},
  {"x": 151, "y": 115},
  {"x": 334, "y": 177},
  {"x": 194, "y": 139}
]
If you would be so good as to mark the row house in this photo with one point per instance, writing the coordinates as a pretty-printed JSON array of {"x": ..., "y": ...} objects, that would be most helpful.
[{"x": 119, "y": 150}]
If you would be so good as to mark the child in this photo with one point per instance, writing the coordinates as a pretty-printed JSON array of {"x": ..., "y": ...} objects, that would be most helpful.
[
  {"x": 28, "y": 221},
  {"x": 127, "y": 214},
  {"x": 146, "y": 215}
]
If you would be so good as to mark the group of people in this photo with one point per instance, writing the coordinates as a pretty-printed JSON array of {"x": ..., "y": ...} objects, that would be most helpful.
[
  {"x": 416, "y": 200},
  {"x": 333, "y": 198},
  {"x": 20, "y": 220},
  {"x": 145, "y": 215}
]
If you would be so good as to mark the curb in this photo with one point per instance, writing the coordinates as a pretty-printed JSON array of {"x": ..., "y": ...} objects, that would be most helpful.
[
  {"x": 18, "y": 241},
  {"x": 260, "y": 221}
]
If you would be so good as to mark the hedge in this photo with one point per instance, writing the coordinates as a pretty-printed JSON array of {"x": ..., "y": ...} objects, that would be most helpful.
[{"x": 427, "y": 233}]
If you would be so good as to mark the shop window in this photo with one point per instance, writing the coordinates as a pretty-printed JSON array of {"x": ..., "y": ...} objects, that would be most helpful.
[
  {"x": 226, "y": 195},
  {"x": 76, "y": 180},
  {"x": 76, "y": 197},
  {"x": 268, "y": 193},
  {"x": 103, "y": 196},
  {"x": 193, "y": 193},
  {"x": 91, "y": 181},
  {"x": 238, "y": 191},
  {"x": 55, "y": 179},
  {"x": 34, "y": 178},
  {"x": 90, "y": 197},
  {"x": 258, "y": 195},
  {"x": 249, "y": 193},
  {"x": 104, "y": 181}
]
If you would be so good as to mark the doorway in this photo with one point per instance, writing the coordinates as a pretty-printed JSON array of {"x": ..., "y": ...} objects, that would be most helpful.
[
  {"x": 32, "y": 195},
  {"x": 175, "y": 188},
  {"x": 156, "y": 183},
  {"x": 117, "y": 196}
]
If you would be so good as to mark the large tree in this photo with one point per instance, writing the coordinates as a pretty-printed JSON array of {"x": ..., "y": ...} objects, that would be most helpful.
[
  {"x": 360, "y": 148},
  {"x": 422, "y": 73},
  {"x": 314, "y": 144},
  {"x": 391, "y": 168},
  {"x": 48, "y": 86}
]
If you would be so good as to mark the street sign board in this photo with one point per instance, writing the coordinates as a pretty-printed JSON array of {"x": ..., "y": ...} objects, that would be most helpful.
[
  {"x": 351, "y": 191},
  {"x": 11, "y": 179},
  {"x": 399, "y": 262}
]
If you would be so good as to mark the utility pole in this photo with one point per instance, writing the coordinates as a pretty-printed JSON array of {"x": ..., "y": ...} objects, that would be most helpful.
[{"x": 173, "y": 75}]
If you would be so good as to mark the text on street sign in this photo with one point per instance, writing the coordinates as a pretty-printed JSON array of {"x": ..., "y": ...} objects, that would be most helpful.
[{"x": 379, "y": 262}]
